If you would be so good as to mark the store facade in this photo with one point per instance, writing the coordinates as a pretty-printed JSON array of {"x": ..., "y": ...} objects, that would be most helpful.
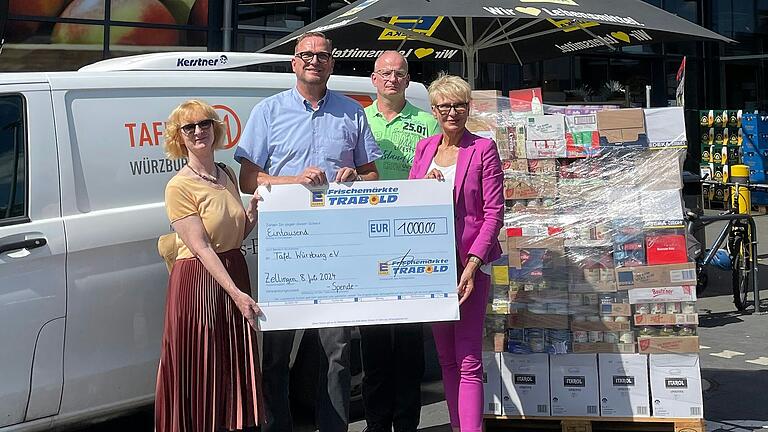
[{"x": 66, "y": 34}]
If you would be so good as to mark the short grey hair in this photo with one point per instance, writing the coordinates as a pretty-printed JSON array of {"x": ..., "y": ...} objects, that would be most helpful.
[{"x": 313, "y": 34}]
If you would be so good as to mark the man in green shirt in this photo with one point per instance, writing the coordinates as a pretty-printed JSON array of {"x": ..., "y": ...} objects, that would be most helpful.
[
  {"x": 396, "y": 124},
  {"x": 393, "y": 355}
]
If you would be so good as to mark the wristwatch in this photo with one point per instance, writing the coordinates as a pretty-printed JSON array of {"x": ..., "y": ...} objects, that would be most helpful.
[{"x": 475, "y": 260}]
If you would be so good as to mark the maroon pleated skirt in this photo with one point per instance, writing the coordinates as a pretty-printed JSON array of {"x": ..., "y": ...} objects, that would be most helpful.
[{"x": 209, "y": 377}]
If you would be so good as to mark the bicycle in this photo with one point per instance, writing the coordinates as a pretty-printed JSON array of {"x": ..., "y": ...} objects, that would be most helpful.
[{"x": 740, "y": 237}]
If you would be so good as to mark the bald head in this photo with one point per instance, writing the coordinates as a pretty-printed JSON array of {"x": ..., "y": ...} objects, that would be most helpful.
[{"x": 392, "y": 60}]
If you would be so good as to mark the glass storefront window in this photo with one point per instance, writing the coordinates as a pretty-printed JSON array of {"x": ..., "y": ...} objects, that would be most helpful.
[
  {"x": 37, "y": 40},
  {"x": 557, "y": 79},
  {"x": 142, "y": 39},
  {"x": 741, "y": 85},
  {"x": 275, "y": 16},
  {"x": 192, "y": 12},
  {"x": 252, "y": 42},
  {"x": 27, "y": 28},
  {"x": 325, "y": 7},
  {"x": 688, "y": 9},
  {"x": 39, "y": 57},
  {"x": 590, "y": 74}
]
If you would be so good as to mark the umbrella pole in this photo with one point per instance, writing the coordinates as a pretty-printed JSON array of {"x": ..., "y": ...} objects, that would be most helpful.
[{"x": 470, "y": 52}]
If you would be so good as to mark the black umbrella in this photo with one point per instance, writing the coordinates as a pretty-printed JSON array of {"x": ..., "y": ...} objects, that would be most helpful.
[{"x": 502, "y": 31}]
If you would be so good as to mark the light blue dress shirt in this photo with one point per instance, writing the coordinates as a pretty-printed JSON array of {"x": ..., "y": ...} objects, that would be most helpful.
[{"x": 284, "y": 135}]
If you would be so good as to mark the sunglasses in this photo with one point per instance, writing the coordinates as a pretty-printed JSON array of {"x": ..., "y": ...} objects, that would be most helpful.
[
  {"x": 307, "y": 56},
  {"x": 189, "y": 129},
  {"x": 445, "y": 109}
]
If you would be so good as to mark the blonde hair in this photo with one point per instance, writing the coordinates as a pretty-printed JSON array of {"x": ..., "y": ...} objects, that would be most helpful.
[
  {"x": 449, "y": 87},
  {"x": 174, "y": 141}
]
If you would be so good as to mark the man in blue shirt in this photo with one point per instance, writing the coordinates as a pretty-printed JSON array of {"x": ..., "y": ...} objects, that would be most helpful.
[{"x": 307, "y": 135}]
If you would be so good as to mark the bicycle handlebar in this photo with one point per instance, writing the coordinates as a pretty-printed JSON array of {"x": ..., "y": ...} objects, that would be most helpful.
[{"x": 744, "y": 185}]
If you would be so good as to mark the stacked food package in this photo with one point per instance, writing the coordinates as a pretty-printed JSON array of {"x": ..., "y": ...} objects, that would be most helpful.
[{"x": 592, "y": 309}]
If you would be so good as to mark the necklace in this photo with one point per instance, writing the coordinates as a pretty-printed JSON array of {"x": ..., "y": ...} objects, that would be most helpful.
[{"x": 206, "y": 177}]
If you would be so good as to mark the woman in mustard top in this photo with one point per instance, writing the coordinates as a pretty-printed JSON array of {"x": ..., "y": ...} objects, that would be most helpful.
[{"x": 209, "y": 378}]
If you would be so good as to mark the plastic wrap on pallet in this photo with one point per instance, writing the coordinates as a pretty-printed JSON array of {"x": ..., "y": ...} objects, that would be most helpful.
[{"x": 585, "y": 223}]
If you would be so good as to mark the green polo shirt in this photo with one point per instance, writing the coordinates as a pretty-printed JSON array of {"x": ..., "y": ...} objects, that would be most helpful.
[{"x": 398, "y": 138}]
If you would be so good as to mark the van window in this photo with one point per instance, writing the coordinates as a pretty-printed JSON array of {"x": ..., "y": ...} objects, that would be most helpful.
[{"x": 12, "y": 159}]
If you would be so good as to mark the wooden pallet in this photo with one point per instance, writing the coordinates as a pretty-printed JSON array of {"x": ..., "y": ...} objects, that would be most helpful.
[{"x": 593, "y": 424}]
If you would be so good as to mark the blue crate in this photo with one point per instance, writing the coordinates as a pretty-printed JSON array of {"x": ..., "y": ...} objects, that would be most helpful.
[
  {"x": 755, "y": 130},
  {"x": 757, "y": 161},
  {"x": 760, "y": 141},
  {"x": 759, "y": 198},
  {"x": 754, "y": 123}
]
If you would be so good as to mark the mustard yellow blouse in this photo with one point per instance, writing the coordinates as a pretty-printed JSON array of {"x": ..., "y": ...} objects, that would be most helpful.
[{"x": 221, "y": 211}]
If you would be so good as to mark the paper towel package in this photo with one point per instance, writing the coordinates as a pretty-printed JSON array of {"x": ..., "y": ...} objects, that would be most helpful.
[
  {"x": 624, "y": 385},
  {"x": 525, "y": 385}
]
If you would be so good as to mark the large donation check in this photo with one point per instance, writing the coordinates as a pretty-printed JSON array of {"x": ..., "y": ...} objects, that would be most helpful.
[{"x": 355, "y": 254}]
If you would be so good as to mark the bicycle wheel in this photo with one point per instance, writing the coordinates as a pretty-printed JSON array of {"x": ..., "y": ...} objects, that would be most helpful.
[{"x": 741, "y": 261}]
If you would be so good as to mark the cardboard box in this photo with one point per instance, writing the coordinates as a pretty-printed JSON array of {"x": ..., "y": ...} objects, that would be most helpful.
[
  {"x": 498, "y": 307},
  {"x": 628, "y": 243},
  {"x": 519, "y": 187},
  {"x": 487, "y": 101},
  {"x": 545, "y": 137},
  {"x": 656, "y": 276},
  {"x": 543, "y": 167},
  {"x": 662, "y": 207},
  {"x": 604, "y": 347},
  {"x": 523, "y": 242},
  {"x": 666, "y": 319},
  {"x": 611, "y": 326},
  {"x": 500, "y": 274},
  {"x": 539, "y": 258},
  {"x": 522, "y": 100},
  {"x": 666, "y": 249},
  {"x": 624, "y": 382},
  {"x": 582, "y": 138},
  {"x": 526, "y": 319},
  {"x": 668, "y": 344},
  {"x": 676, "y": 386},
  {"x": 662, "y": 294},
  {"x": 573, "y": 383},
  {"x": 525, "y": 385},
  {"x": 491, "y": 383},
  {"x": 516, "y": 166},
  {"x": 616, "y": 309},
  {"x": 494, "y": 342},
  {"x": 666, "y": 127},
  {"x": 624, "y": 127}
]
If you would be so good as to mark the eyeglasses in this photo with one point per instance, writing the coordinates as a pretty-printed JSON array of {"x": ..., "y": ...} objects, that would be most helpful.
[
  {"x": 189, "y": 129},
  {"x": 445, "y": 109},
  {"x": 391, "y": 74},
  {"x": 307, "y": 56}
]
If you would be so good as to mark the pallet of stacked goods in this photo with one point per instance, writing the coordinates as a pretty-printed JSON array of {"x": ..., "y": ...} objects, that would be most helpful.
[
  {"x": 593, "y": 222},
  {"x": 721, "y": 135},
  {"x": 755, "y": 153}
]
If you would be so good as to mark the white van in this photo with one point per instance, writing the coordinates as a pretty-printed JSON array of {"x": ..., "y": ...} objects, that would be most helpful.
[{"x": 82, "y": 177}]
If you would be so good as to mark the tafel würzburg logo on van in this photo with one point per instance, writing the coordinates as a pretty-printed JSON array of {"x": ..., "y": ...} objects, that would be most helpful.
[{"x": 354, "y": 196}]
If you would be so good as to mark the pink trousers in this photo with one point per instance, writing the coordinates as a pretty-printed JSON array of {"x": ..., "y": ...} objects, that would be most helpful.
[{"x": 459, "y": 349}]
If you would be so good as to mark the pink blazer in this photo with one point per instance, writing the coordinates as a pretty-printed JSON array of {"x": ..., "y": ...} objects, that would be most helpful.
[{"x": 477, "y": 193}]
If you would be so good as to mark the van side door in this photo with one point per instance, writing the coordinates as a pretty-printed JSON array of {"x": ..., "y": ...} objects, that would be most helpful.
[{"x": 32, "y": 257}]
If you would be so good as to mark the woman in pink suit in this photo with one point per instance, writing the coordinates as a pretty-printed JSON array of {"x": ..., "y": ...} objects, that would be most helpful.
[{"x": 472, "y": 164}]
